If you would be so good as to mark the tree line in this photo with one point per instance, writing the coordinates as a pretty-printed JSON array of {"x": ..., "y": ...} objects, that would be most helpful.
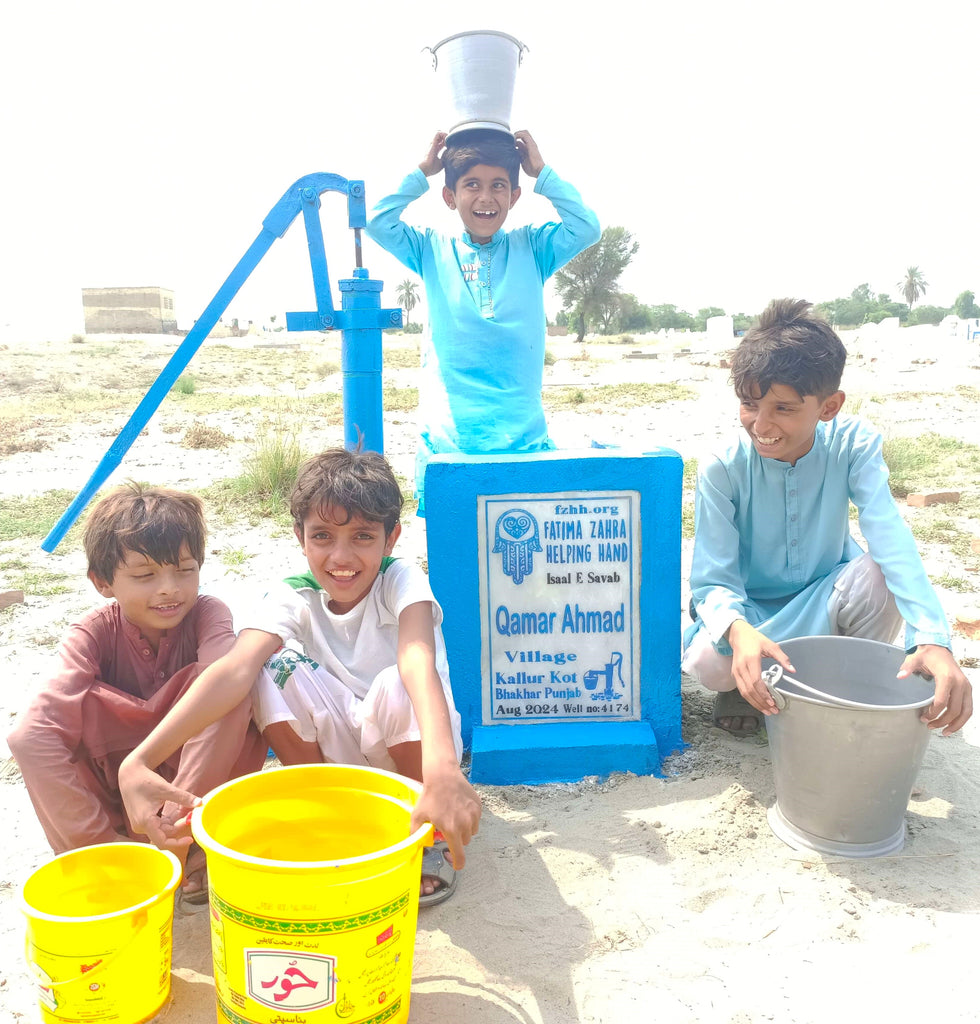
[
  {"x": 592, "y": 301},
  {"x": 863, "y": 306}
]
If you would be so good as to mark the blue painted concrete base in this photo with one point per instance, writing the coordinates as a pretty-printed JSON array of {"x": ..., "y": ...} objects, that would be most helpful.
[{"x": 562, "y": 752}]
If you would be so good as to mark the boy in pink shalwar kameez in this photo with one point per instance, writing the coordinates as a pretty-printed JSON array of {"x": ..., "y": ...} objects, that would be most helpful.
[{"x": 122, "y": 667}]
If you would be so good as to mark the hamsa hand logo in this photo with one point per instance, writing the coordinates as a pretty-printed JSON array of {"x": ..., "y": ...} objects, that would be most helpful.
[{"x": 516, "y": 539}]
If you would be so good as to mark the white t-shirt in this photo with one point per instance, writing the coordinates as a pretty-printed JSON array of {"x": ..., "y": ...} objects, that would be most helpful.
[{"x": 359, "y": 644}]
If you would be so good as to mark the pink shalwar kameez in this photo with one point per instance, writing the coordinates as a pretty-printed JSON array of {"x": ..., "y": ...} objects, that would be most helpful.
[{"x": 107, "y": 693}]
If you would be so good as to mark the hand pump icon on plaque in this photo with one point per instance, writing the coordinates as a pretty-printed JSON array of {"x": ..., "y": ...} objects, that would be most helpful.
[{"x": 612, "y": 667}]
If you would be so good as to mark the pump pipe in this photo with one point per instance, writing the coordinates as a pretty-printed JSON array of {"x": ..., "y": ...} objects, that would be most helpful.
[{"x": 360, "y": 319}]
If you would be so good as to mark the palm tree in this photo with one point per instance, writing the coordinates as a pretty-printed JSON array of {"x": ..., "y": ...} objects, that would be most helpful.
[
  {"x": 407, "y": 294},
  {"x": 914, "y": 286}
]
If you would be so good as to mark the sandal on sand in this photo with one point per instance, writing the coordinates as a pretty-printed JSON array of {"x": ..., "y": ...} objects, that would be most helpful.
[
  {"x": 196, "y": 897},
  {"x": 436, "y": 866},
  {"x": 196, "y": 871},
  {"x": 731, "y": 706}
]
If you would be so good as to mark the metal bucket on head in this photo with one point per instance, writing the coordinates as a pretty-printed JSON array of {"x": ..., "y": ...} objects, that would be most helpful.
[
  {"x": 479, "y": 69},
  {"x": 846, "y": 745}
]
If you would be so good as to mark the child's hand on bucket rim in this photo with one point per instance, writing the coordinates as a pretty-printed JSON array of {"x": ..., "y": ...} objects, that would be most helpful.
[
  {"x": 532, "y": 163},
  {"x": 431, "y": 163},
  {"x": 144, "y": 793},
  {"x": 454, "y": 807},
  {"x": 749, "y": 647},
  {"x": 952, "y": 704},
  {"x": 173, "y": 836}
]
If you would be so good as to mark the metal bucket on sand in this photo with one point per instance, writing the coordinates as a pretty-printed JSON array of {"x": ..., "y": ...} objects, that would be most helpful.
[{"x": 846, "y": 745}]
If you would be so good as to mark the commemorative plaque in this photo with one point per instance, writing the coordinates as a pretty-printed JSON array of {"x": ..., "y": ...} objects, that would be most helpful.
[
  {"x": 560, "y": 595},
  {"x": 559, "y": 578}
]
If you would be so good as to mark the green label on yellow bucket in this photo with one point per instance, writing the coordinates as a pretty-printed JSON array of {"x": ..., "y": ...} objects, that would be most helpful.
[
  {"x": 284, "y": 964},
  {"x": 291, "y": 938}
]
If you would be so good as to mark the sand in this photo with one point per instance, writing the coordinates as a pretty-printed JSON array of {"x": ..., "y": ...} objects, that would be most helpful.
[{"x": 626, "y": 898}]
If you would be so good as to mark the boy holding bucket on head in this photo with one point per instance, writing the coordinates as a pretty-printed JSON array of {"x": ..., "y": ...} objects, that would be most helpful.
[
  {"x": 774, "y": 558},
  {"x": 363, "y": 677},
  {"x": 483, "y": 357},
  {"x": 122, "y": 667}
]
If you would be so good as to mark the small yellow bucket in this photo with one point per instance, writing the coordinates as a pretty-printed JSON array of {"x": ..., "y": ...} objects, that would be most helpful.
[
  {"x": 314, "y": 883},
  {"x": 100, "y": 932}
]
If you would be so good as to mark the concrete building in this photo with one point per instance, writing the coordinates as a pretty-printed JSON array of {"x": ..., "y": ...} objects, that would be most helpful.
[{"x": 121, "y": 310}]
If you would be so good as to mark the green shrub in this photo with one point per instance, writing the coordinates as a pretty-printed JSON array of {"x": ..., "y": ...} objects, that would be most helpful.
[
  {"x": 956, "y": 583},
  {"x": 34, "y": 516},
  {"x": 185, "y": 384},
  {"x": 42, "y": 583},
  {"x": 233, "y": 557},
  {"x": 916, "y": 463},
  {"x": 270, "y": 470}
]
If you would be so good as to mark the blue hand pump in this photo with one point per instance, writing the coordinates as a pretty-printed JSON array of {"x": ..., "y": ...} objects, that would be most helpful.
[{"x": 360, "y": 319}]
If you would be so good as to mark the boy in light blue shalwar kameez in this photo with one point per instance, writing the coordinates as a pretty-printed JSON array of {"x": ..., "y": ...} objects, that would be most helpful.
[
  {"x": 774, "y": 558},
  {"x": 483, "y": 356}
]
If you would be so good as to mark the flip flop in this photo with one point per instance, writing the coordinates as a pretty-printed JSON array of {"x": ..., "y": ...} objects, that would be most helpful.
[
  {"x": 731, "y": 704},
  {"x": 435, "y": 865},
  {"x": 195, "y": 897}
]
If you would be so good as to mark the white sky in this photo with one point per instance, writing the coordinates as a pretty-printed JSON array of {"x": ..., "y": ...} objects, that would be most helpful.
[{"x": 754, "y": 149}]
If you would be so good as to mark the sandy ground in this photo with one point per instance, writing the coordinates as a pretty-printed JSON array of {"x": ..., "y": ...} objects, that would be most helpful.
[{"x": 619, "y": 899}]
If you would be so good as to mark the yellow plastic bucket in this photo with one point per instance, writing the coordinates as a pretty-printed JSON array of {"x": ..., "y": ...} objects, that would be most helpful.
[
  {"x": 100, "y": 932},
  {"x": 314, "y": 883}
]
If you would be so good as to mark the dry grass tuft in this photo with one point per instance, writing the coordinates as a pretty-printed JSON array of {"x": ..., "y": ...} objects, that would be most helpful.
[
  {"x": 16, "y": 435},
  {"x": 200, "y": 435}
]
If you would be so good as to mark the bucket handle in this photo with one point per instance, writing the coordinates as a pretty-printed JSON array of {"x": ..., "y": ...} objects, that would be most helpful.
[
  {"x": 770, "y": 677},
  {"x": 521, "y": 50},
  {"x": 139, "y": 923},
  {"x": 775, "y": 673}
]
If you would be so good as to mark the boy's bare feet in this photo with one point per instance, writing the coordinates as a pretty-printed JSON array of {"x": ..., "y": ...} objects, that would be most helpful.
[{"x": 733, "y": 713}]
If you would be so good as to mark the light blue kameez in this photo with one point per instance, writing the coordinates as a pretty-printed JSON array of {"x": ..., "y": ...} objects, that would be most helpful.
[
  {"x": 483, "y": 354},
  {"x": 772, "y": 538}
]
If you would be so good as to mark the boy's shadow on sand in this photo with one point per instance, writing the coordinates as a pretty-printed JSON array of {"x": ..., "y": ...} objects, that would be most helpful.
[
  {"x": 460, "y": 1000},
  {"x": 481, "y": 950},
  {"x": 939, "y": 866},
  {"x": 512, "y": 942},
  {"x": 478, "y": 956}
]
